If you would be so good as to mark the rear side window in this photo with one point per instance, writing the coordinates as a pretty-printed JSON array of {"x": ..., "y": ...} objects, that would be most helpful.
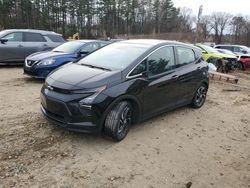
[
  {"x": 185, "y": 56},
  {"x": 161, "y": 61},
  {"x": 55, "y": 38},
  {"x": 238, "y": 49},
  {"x": 14, "y": 37},
  {"x": 33, "y": 37}
]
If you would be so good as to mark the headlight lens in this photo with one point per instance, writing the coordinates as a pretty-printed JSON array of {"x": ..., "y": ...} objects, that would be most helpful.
[
  {"x": 46, "y": 62},
  {"x": 93, "y": 94}
]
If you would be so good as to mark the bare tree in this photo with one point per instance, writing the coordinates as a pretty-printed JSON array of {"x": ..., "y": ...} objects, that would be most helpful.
[
  {"x": 219, "y": 22},
  {"x": 238, "y": 24},
  {"x": 205, "y": 27},
  {"x": 187, "y": 19}
]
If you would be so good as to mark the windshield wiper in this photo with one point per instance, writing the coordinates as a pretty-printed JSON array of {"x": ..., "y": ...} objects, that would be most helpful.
[
  {"x": 96, "y": 67},
  {"x": 57, "y": 51}
]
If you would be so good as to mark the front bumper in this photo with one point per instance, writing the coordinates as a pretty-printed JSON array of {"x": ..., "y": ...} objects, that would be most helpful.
[
  {"x": 64, "y": 110},
  {"x": 85, "y": 127},
  {"x": 36, "y": 73}
]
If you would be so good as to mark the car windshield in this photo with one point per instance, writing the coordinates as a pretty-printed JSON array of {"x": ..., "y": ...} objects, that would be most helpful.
[
  {"x": 116, "y": 56},
  {"x": 208, "y": 49},
  {"x": 69, "y": 47},
  {"x": 225, "y": 51}
]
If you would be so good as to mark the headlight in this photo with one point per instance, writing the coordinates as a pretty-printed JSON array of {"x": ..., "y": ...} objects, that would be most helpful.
[
  {"x": 93, "y": 94},
  {"x": 46, "y": 62}
]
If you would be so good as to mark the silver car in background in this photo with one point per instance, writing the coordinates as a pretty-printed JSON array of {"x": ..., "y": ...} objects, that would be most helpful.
[{"x": 17, "y": 44}]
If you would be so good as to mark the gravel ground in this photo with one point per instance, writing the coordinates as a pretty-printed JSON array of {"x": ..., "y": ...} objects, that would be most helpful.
[{"x": 208, "y": 147}]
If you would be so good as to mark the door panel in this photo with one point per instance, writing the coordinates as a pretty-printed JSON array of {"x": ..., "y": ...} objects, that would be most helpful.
[
  {"x": 189, "y": 78},
  {"x": 33, "y": 42},
  {"x": 162, "y": 81},
  {"x": 161, "y": 92},
  {"x": 13, "y": 49},
  {"x": 189, "y": 73}
]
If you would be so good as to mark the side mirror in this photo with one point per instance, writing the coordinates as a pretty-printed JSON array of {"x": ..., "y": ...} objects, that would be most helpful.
[
  {"x": 84, "y": 52},
  {"x": 144, "y": 74},
  {"x": 203, "y": 51},
  {"x": 3, "y": 41}
]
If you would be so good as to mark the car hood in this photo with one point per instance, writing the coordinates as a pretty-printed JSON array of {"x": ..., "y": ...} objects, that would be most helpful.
[
  {"x": 221, "y": 55},
  {"x": 76, "y": 76},
  {"x": 241, "y": 54},
  {"x": 47, "y": 54}
]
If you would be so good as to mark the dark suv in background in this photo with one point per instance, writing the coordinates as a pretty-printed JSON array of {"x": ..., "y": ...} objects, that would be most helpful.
[{"x": 17, "y": 44}]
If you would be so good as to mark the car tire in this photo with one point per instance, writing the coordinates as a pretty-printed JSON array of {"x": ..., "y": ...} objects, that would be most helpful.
[
  {"x": 200, "y": 96},
  {"x": 118, "y": 121},
  {"x": 240, "y": 66}
]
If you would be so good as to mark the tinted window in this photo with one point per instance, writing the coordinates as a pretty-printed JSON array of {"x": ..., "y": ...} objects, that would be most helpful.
[
  {"x": 103, "y": 44},
  {"x": 17, "y": 37},
  {"x": 227, "y": 48},
  {"x": 55, "y": 38},
  {"x": 116, "y": 56},
  {"x": 207, "y": 48},
  {"x": 69, "y": 47},
  {"x": 161, "y": 61},
  {"x": 185, "y": 55},
  {"x": 33, "y": 37},
  {"x": 240, "y": 49},
  {"x": 139, "y": 69},
  {"x": 90, "y": 47}
]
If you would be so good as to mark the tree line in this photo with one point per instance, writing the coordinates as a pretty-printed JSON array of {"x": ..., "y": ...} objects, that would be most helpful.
[
  {"x": 91, "y": 18},
  {"x": 110, "y": 18}
]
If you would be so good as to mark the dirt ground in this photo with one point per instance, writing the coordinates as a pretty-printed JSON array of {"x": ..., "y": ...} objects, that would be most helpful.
[{"x": 208, "y": 147}]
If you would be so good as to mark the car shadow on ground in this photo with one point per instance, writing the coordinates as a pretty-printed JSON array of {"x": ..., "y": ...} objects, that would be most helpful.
[{"x": 87, "y": 138}]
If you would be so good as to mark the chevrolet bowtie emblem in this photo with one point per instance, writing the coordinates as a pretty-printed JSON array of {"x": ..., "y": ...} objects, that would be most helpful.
[{"x": 50, "y": 88}]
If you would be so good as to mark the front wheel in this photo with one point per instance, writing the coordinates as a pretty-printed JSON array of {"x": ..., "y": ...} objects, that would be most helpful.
[
  {"x": 118, "y": 121},
  {"x": 199, "y": 96},
  {"x": 240, "y": 66}
]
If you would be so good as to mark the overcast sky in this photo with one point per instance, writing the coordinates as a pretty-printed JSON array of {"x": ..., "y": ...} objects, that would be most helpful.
[{"x": 234, "y": 7}]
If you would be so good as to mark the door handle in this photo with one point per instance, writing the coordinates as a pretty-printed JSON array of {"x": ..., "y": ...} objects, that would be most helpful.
[
  {"x": 175, "y": 76},
  {"x": 45, "y": 45},
  {"x": 20, "y": 46},
  {"x": 198, "y": 68}
]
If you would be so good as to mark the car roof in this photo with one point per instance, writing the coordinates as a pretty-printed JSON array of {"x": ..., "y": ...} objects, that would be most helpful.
[
  {"x": 230, "y": 45},
  {"x": 154, "y": 42},
  {"x": 89, "y": 40},
  {"x": 43, "y": 32}
]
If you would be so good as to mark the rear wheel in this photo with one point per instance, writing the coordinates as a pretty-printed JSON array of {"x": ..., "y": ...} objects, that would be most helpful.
[
  {"x": 118, "y": 121},
  {"x": 199, "y": 96}
]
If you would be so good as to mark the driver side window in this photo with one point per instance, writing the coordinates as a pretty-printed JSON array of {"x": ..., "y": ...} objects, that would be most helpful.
[{"x": 14, "y": 37}]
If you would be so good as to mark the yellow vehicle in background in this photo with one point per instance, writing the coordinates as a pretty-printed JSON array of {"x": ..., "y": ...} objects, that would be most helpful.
[
  {"x": 223, "y": 62},
  {"x": 76, "y": 36}
]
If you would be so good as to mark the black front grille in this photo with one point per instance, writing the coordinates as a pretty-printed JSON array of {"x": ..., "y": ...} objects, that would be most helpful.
[{"x": 57, "y": 108}]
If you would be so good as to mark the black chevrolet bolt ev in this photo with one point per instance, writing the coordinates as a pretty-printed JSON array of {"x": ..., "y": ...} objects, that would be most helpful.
[{"x": 124, "y": 83}]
